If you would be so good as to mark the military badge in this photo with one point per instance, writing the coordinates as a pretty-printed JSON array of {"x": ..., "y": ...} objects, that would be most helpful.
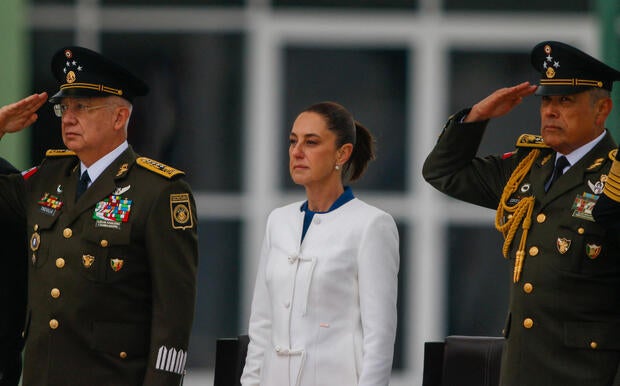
[
  {"x": 597, "y": 187},
  {"x": 563, "y": 245},
  {"x": 116, "y": 264},
  {"x": 35, "y": 241},
  {"x": 121, "y": 190},
  {"x": 180, "y": 211},
  {"x": 123, "y": 169},
  {"x": 114, "y": 209},
  {"x": 88, "y": 260},
  {"x": 525, "y": 187},
  {"x": 593, "y": 250},
  {"x": 546, "y": 159},
  {"x": 583, "y": 205},
  {"x": 598, "y": 162},
  {"x": 49, "y": 204}
]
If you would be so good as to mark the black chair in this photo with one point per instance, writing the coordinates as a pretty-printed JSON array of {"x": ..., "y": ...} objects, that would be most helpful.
[
  {"x": 463, "y": 361},
  {"x": 229, "y": 360}
]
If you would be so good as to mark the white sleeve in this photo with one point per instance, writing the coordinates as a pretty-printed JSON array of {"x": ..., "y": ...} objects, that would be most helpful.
[
  {"x": 378, "y": 263},
  {"x": 259, "y": 329}
]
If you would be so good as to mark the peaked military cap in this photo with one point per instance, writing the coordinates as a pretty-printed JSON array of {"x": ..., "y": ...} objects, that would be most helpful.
[
  {"x": 567, "y": 70},
  {"x": 85, "y": 73}
]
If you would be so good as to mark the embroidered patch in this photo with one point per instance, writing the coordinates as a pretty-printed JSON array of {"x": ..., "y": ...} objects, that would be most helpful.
[
  {"x": 114, "y": 208},
  {"x": 180, "y": 211},
  {"x": 583, "y": 205},
  {"x": 171, "y": 360}
]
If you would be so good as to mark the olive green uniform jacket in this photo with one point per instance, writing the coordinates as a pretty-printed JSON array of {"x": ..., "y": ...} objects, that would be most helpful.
[
  {"x": 563, "y": 324},
  {"x": 112, "y": 277},
  {"x": 12, "y": 292}
]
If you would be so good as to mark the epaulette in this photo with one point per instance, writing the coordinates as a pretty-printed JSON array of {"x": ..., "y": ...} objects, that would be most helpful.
[
  {"x": 531, "y": 140},
  {"x": 158, "y": 167},
  {"x": 59, "y": 153}
]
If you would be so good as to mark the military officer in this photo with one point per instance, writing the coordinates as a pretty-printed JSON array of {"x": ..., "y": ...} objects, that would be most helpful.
[
  {"x": 111, "y": 239},
  {"x": 563, "y": 324},
  {"x": 13, "y": 240}
]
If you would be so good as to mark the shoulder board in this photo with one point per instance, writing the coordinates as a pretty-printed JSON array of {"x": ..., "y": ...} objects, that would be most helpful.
[
  {"x": 59, "y": 153},
  {"x": 158, "y": 167},
  {"x": 531, "y": 140}
]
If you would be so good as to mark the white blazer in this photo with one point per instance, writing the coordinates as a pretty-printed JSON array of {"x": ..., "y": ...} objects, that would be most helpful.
[{"x": 324, "y": 311}]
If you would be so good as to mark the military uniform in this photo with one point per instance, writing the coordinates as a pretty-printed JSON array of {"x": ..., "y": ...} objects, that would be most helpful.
[
  {"x": 563, "y": 323},
  {"x": 112, "y": 276},
  {"x": 12, "y": 292},
  {"x": 112, "y": 272}
]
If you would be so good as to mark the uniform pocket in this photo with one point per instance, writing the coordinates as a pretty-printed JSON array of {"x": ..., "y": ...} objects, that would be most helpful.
[
  {"x": 122, "y": 340},
  {"x": 592, "y": 335},
  {"x": 106, "y": 252}
]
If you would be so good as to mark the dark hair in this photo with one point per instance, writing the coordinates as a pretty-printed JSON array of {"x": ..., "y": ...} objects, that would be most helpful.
[{"x": 340, "y": 121}]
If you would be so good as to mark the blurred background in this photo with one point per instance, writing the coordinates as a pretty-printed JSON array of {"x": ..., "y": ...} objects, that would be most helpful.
[{"x": 227, "y": 79}]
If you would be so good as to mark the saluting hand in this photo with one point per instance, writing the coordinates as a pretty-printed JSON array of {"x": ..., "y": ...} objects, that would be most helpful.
[
  {"x": 500, "y": 102},
  {"x": 21, "y": 114}
]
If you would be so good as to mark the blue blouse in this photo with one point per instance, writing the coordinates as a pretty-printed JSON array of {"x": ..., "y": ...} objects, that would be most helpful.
[{"x": 345, "y": 197}]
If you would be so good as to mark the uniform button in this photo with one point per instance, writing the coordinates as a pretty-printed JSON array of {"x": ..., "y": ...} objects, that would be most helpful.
[
  {"x": 122, "y": 355},
  {"x": 55, "y": 292},
  {"x": 60, "y": 262},
  {"x": 533, "y": 251},
  {"x": 103, "y": 243},
  {"x": 528, "y": 288},
  {"x": 316, "y": 220},
  {"x": 67, "y": 232},
  {"x": 53, "y": 324},
  {"x": 541, "y": 218},
  {"x": 593, "y": 345},
  {"x": 36, "y": 227},
  {"x": 278, "y": 348},
  {"x": 581, "y": 231},
  {"x": 528, "y": 323}
]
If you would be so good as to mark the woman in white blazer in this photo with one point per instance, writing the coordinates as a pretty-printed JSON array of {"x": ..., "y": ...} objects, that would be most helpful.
[{"x": 324, "y": 307}]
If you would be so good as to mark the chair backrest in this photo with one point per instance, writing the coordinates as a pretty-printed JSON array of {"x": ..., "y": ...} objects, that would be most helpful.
[
  {"x": 230, "y": 356},
  {"x": 463, "y": 361}
]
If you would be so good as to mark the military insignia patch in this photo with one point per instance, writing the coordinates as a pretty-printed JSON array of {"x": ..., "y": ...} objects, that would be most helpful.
[
  {"x": 583, "y": 205},
  {"x": 180, "y": 211},
  {"x": 597, "y": 187},
  {"x": 116, "y": 264},
  {"x": 49, "y": 204},
  {"x": 114, "y": 208},
  {"x": 122, "y": 170},
  {"x": 593, "y": 250},
  {"x": 121, "y": 190},
  {"x": 88, "y": 260},
  {"x": 598, "y": 162},
  {"x": 563, "y": 245}
]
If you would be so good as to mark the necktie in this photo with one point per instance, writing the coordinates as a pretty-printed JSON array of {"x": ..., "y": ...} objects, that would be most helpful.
[
  {"x": 560, "y": 164},
  {"x": 82, "y": 185}
]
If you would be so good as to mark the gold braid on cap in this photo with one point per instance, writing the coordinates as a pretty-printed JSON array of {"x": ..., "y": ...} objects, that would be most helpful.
[{"x": 519, "y": 214}]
